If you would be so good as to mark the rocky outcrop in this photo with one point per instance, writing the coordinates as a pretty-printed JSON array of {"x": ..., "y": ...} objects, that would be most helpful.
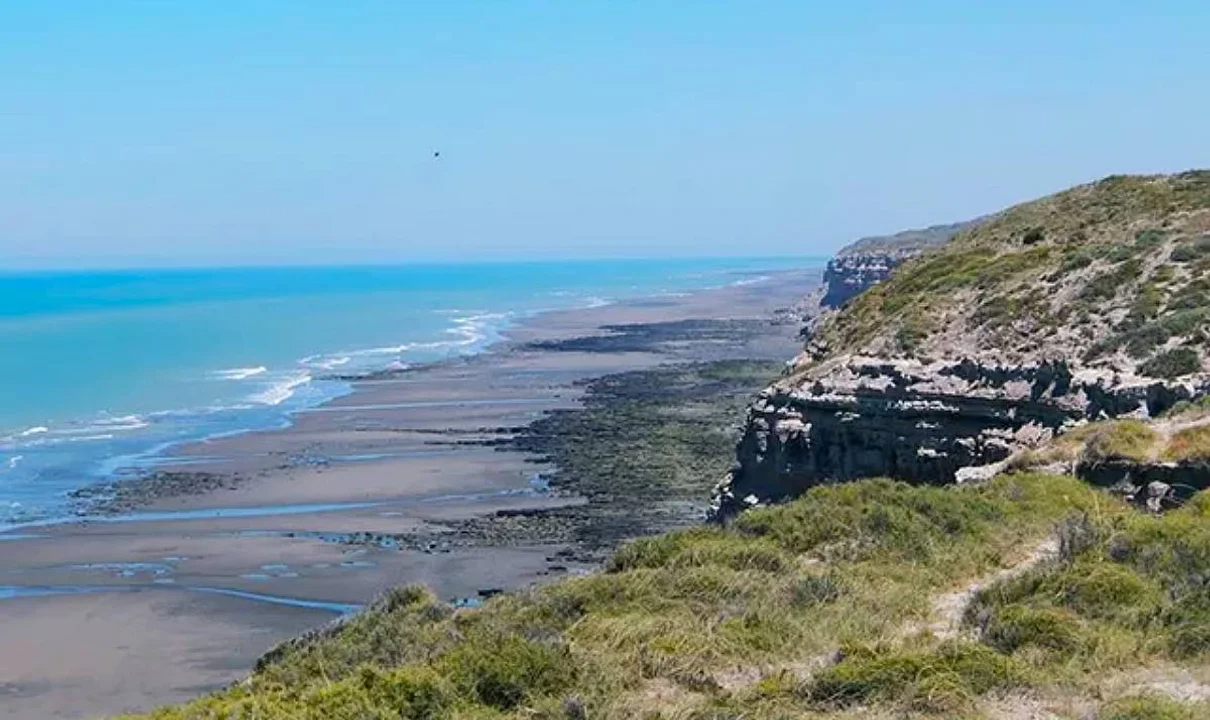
[
  {"x": 862, "y": 417},
  {"x": 1088, "y": 304},
  {"x": 1156, "y": 486},
  {"x": 847, "y": 277},
  {"x": 869, "y": 261}
]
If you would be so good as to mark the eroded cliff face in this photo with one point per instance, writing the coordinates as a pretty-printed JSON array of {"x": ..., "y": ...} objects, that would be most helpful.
[
  {"x": 869, "y": 261},
  {"x": 936, "y": 422},
  {"x": 939, "y": 365},
  {"x": 847, "y": 277}
]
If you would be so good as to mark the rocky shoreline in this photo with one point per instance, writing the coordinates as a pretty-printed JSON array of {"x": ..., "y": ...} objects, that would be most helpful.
[
  {"x": 117, "y": 497},
  {"x": 633, "y": 460},
  {"x": 603, "y": 502}
]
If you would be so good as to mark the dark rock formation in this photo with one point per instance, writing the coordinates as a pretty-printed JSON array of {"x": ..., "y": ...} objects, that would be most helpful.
[
  {"x": 1156, "y": 486},
  {"x": 870, "y": 260},
  {"x": 849, "y": 276},
  {"x": 926, "y": 423}
]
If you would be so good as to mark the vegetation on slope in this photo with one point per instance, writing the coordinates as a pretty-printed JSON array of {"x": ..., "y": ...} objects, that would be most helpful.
[
  {"x": 1128, "y": 590},
  {"x": 907, "y": 241},
  {"x": 1111, "y": 273},
  {"x": 1181, "y": 437},
  {"x": 812, "y": 609}
]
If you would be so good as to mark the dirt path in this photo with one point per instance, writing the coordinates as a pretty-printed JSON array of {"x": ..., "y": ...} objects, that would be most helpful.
[{"x": 948, "y": 609}]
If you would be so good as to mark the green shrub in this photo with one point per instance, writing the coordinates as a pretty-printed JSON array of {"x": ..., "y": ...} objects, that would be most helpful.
[
  {"x": 1191, "y": 250},
  {"x": 909, "y": 337},
  {"x": 1173, "y": 363},
  {"x": 1121, "y": 253},
  {"x": 1163, "y": 274},
  {"x": 402, "y": 627},
  {"x": 1149, "y": 239},
  {"x": 944, "y": 679},
  {"x": 1080, "y": 258},
  {"x": 686, "y": 609},
  {"x": 811, "y": 590},
  {"x": 1143, "y": 341},
  {"x": 412, "y": 692},
  {"x": 1191, "y": 296},
  {"x": 502, "y": 671},
  {"x": 1146, "y": 305},
  {"x": 1015, "y": 626},
  {"x": 876, "y": 515},
  {"x": 699, "y": 547},
  {"x": 1103, "y": 590},
  {"x": 1189, "y": 445},
  {"x": 1107, "y": 285},
  {"x": 1120, "y": 440},
  {"x": 1190, "y": 636},
  {"x": 1185, "y": 321},
  {"x": 1188, "y": 301}
]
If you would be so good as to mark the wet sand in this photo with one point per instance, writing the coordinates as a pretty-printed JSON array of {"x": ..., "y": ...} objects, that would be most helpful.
[{"x": 180, "y": 595}]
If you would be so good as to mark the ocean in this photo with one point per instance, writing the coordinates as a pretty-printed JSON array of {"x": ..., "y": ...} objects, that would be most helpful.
[{"x": 101, "y": 372}]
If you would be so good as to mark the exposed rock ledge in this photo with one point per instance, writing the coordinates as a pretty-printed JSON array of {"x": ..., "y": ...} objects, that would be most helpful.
[
  {"x": 849, "y": 276},
  {"x": 858, "y": 416},
  {"x": 869, "y": 261}
]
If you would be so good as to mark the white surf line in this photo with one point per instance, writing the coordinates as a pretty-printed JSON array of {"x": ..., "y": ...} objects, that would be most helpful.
[
  {"x": 200, "y": 514},
  {"x": 18, "y": 592},
  {"x": 340, "y": 608},
  {"x": 267, "y": 511}
]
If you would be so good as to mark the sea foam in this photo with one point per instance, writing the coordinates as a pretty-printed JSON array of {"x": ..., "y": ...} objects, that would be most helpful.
[
  {"x": 281, "y": 391},
  {"x": 325, "y": 362},
  {"x": 242, "y": 373},
  {"x": 124, "y": 422}
]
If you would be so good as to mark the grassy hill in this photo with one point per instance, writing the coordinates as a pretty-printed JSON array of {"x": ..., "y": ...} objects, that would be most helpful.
[
  {"x": 907, "y": 241},
  {"x": 1032, "y": 593},
  {"x": 1115, "y": 273}
]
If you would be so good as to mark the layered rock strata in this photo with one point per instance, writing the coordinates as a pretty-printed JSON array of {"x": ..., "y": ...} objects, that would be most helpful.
[
  {"x": 847, "y": 277},
  {"x": 921, "y": 422}
]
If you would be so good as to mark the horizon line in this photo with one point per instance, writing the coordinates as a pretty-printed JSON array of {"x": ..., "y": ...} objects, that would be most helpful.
[{"x": 80, "y": 269}]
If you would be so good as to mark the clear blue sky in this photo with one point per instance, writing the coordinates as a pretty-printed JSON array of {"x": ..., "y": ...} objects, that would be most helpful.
[{"x": 271, "y": 131}]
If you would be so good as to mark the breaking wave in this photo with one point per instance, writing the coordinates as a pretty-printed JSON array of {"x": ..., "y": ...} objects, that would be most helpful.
[
  {"x": 241, "y": 373},
  {"x": 281, "y": 391}
]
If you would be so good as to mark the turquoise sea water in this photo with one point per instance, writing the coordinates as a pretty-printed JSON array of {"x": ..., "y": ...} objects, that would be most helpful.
[{"x": 100, "y": 370}]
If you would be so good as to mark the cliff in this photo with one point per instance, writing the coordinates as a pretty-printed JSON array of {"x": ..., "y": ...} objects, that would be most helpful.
[
  {"x": 1090, "y": 304},
  {"x": 869, "y": 261}
]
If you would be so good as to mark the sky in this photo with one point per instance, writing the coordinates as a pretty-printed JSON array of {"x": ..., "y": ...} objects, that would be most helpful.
[{"x": 303, "y": 131}]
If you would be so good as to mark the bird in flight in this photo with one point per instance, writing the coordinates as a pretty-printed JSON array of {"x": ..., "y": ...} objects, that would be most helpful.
[{"x": 437, "y": 154}]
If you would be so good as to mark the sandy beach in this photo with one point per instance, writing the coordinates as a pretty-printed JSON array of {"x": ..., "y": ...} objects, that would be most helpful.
[{"x": 172, "y": 593}]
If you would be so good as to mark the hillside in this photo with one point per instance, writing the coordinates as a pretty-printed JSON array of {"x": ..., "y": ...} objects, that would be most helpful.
[
  {"x": 1111, "y": 274},
  {"x": 869, "y": 261},
  {"x": 1091, "y": 303},
  {"x": 906, "y": 242},
  {"x": 1030, "y": 596}
]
